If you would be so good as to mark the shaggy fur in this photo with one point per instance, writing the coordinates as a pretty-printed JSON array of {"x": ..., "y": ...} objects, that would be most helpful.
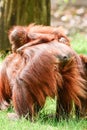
[
  {"x": 35, "y": 34},
  {"x": 83, "y": 111},
  {"x": 40, "y": 71}
]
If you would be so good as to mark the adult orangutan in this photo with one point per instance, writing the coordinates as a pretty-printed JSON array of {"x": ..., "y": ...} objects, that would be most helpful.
[
  {"x": 40, "y": 71},
  {"x": 83, "y": 111},
  {"x": 35, "y": 34}
]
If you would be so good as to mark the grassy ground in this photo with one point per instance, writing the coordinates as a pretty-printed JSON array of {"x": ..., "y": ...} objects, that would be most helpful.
[
  {"x": 79, "y": 43},
  {"x": 43, "y": 122}
]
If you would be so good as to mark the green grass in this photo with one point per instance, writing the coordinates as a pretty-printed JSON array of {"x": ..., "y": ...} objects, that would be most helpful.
[
  {"x": 79, "y": 43},
  {"x": 22, "y": 124},
  {"x": 43, "y": 122}
]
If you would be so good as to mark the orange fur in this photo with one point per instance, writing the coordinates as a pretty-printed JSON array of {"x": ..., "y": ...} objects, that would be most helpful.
[
  {"x": 35, "y": 34},
  {"x": 41, "y": 71},
  {"x": 83, "y": 111}
]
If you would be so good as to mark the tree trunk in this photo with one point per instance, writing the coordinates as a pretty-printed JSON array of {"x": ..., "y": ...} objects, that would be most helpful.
[{"x": 21, "y": 12}]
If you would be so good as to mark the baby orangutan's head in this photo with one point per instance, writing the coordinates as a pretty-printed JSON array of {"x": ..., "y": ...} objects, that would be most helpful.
[{"x": 17, "y": 37}]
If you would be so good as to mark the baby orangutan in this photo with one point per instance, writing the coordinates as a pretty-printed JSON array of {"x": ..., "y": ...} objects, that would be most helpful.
[{"x": 33, "y": 35}]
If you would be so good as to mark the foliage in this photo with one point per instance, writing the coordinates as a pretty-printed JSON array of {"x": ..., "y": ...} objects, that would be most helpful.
[
  {"x": 3, "y": 54},
  {"x": 79, "y": 43}
]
